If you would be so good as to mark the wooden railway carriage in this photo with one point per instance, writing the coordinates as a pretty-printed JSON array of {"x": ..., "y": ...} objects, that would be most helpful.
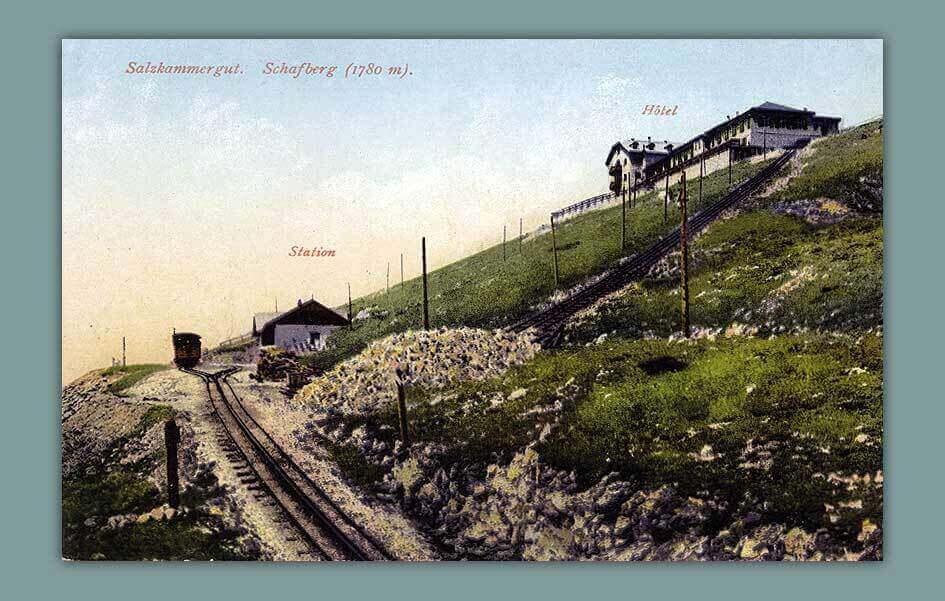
[{"x": 186, "y": 349}]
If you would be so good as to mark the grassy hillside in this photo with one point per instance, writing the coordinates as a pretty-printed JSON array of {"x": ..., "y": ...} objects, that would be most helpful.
[
  {"x": 744, "y": 418},
  {"x": 840, "y": 166},
  {"x": 787, "y": 422},
  {"x": 130, "y": 375},
  {"x": 774, "y": 271},
  {"x": 484, "y": 290}
]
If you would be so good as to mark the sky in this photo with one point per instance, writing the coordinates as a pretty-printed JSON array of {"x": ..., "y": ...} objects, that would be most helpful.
[{"x": 182, "y": 195}]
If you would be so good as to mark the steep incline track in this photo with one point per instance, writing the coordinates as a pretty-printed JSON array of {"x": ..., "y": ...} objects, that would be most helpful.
[
  {"x": 331, "y": 533},
  {"x": 549, "y": 322}
]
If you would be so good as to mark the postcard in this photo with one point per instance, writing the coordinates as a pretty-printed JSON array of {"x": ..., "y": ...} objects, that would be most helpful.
[{"x": 552, "y": 300}]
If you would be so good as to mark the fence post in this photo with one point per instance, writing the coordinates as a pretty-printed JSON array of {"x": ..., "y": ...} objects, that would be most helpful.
[
  {"x": 683, "y": 258},
  {"x": 554, "y": 248},
  {"x": 401, "y": 273},
  {"x": 171, "y": 442},
  {"x": 426, "y": 310},
  {"x": 123, "y": 362},
  {"x": 350, "y": 316},
  {"x": 503, "y": 241},
  {"x": 519, "y": 235},
  {"x": 402, "y": 411}
]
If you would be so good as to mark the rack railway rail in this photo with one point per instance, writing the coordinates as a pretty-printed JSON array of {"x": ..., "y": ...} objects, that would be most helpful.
[
  {"x": 265, "y": 467},
  {"x": 549, "y": 322}
]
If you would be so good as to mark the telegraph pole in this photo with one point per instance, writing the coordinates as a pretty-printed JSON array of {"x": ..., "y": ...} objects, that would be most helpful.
[
  {"x": 554, "y": 248},
  {"x": 623, "y": 223},
  {"x": 123, "y": 363},
  {"x": 503, "y": 241},
  {"x": 701, "y": 174},
  {"x": 519, "y": 235},
  {"x": 350, "y": 316},
  {"x": 683, "y": 259},
  {"x": 426, "y": 309},
  {"x": 401, "y": 273},
  {"x": 666, "y": 198}
]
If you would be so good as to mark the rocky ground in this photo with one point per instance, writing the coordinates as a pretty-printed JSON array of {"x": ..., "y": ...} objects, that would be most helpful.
[
  {"x": 526, "y": 510},
  {"x": 114, "y": 479},
  {"x": 292, "y": 424},
  {"x": 114, "y": 476}
]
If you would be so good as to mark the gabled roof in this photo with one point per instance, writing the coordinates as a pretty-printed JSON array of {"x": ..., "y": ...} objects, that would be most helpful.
[
  {"x": 773, "y": 106},
  {"x": 310, "y": 312},
  {"x": 261, "y": 319},
  {"x": 659, "y": 147}
]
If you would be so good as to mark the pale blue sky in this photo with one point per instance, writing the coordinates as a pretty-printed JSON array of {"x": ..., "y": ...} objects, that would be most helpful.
[{"x": 484, "y": 132}]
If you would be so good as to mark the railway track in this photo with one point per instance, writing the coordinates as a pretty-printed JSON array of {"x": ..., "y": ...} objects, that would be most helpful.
[
  {"x": 549, "y": 322},
  {"x": 269, "y": 472}
]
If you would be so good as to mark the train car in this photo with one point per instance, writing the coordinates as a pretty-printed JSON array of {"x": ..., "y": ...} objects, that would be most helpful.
[{"x": 186, "y": 349}]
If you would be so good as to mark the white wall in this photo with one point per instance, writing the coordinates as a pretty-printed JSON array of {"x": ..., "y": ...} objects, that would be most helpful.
[{"x": 287, "y": 335}]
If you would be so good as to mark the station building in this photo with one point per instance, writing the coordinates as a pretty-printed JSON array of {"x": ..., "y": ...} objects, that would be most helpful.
[{"x": 303, "y": 329}]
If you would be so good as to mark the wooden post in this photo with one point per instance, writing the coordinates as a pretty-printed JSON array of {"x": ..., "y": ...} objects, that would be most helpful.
[
  {"x": 401, "y": 273},
  {"x": 402, "y": 411},
  {"x": 520, "y": 235},
  {"x": 683, "y": 258},
  {"x": 503, "y": 241},
  {"x": 701, "y": 175},
  {"x": 387, "y": 292},
  {"x": 623, "y": 223},
  {"x": 554, "y": 249},
  {"x": 350, "y": 316},
  {"x": 123, "y": 362},
  {"x": 426, "y": 309},
  {"x": 666, "y": 199},
  {"x": 171, "y": 442}
]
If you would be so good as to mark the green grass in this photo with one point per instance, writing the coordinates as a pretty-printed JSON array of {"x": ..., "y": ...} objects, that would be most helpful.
[
  {"x": 107, "y": 487},
  {"x": 130, "y": 375},
  {"x": 484, "y": 290},
  {"x": 740, "y": 262},
  {"x": 643, "y": 408},
  {"x": 838, "y": 165},
  {"x": 123, "y": 492},
  {"x": 359, "y": 471}
]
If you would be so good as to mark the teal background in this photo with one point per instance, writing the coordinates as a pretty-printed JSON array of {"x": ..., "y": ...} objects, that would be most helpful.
[{"x": 31, "y": 299}]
